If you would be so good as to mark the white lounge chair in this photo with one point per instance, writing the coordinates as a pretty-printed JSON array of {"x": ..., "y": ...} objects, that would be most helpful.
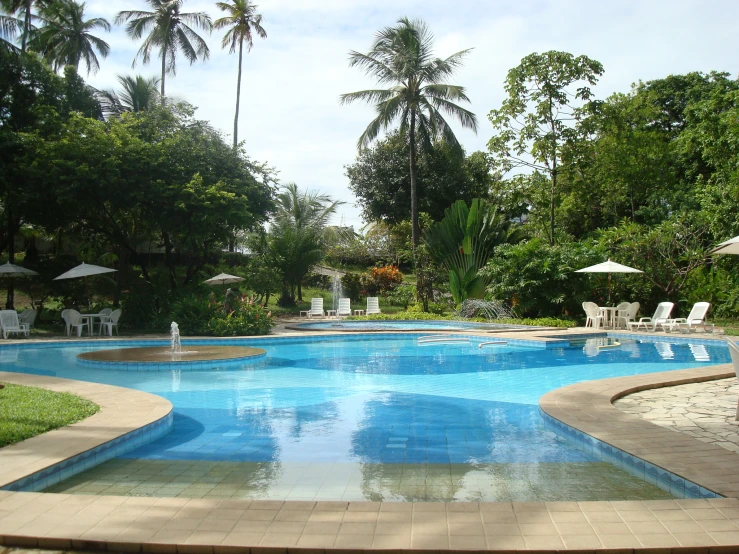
[
  {"x": 111, "y": 322},
  {"x": 659, "y": 319},
  {"x": 9, "y": 323},
  {"x": 594, "y": 315},
  {"x": 76, "y": 321},
  {"x": 28, "y": 317},
  {"x": 697, "y": 316},
  {"x": 65, "y": 317},
  {"x": 316, "y": 308},
  {"x": 373, "y": 305},
  {"x": 345, "y": 307},
  {"x": 734, "y": 351}
]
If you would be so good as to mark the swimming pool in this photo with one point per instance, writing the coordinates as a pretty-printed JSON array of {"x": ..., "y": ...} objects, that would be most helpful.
[
  {"x": 377, "y": 417},
  {"x": 403, "y": 325}
]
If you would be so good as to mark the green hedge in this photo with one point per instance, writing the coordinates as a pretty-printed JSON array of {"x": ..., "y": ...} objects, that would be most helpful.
[{"x": 539, "y": 322}]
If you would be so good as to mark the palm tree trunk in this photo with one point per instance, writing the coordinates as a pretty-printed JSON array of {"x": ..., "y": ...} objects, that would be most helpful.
[
  {"x": 414, "y": 193},
  {"x": 164, "y": 71},
  {"x": 238, "y": 94},
  {"x": 551, "y": 204},
  {"x": 26, "y": 25}
]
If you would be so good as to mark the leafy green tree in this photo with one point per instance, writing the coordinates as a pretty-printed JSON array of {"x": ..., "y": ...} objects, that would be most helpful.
[
  {"x": 242, "y": 22},
  {"x": 137, "y": 94},
  {"x": 297, "y": 237},
  {"x": 463, "y": 241},
  {"x": 170, "y": 31},
  {"x": 380, "y": 178},
  {"x": 402, "y": 58},
  {"x": 65, "y": 37},
  {"x": 539, "y": 118}
]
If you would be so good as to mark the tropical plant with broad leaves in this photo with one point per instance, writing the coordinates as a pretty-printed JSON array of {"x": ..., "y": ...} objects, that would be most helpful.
[
  {"x": 169, "y": 31},
  {"x": 463, "y": 242},
  {"x": 401, "y": 57},
  {"x": 137, "y": 94},
  {"x": 64, "y": 37},
  {"x": 242, "y": 23}
]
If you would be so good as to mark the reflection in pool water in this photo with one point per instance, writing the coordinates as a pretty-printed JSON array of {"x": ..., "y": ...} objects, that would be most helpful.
[{"x": 369, "y": 417}]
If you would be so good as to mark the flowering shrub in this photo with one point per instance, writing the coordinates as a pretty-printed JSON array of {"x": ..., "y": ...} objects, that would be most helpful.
[
  {"x": 246, "y": 318},
  {"x": 385, "y": 279}
]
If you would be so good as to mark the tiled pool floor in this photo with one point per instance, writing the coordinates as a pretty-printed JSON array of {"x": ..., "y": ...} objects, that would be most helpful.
[{"x": 354, "y": 482}]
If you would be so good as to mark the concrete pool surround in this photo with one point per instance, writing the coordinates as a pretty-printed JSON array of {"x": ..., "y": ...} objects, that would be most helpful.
[{"x": 194, "y": 526}]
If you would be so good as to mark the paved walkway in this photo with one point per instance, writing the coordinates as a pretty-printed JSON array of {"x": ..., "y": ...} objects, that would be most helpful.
[{"x": 705, "y": 411}]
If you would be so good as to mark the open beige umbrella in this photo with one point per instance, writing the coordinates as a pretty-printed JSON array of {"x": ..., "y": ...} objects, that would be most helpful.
[
  {"x": 730, "y": 246},
  {"x": 223, "y": 279},
  {"x": 84, "y": 270},
  {"x": 12, "y": 271},
  {"x": 609, "y": 267}
]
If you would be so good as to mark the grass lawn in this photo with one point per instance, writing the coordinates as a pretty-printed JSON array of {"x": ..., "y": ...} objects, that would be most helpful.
[{"x": 29, "y": 411}]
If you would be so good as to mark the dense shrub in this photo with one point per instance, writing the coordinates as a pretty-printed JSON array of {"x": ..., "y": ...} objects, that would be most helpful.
[
  {"x": 247, "y": 318},
  {"x": 403, "y": 295},
  {"x": 351, "y": 284},
  {"x": 384, "y": 279},
  {"x": 424, "y": 316},
  {"x": 193, "y": 315}
]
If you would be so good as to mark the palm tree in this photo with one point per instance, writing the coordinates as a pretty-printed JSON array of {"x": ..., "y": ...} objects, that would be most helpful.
[
  {"x": 169, "y": 31},
  {"x": 241, "y": 22},
  {"x": 401, "y": 57},
  {"x": 23, "y": 9},
  {"x": 137, "y": 94},
  {"x": 10, "y": 27},
  {"x": 64, "y": 38}
]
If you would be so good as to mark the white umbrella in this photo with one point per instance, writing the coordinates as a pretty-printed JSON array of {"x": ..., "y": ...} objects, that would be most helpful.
[
  {"x": 730, "y": 246},
  {"x": 84, "y": 270},
  {"x": 11, "y": 270},
  {"x": 223, "y": 279},
  {"x": 609, "y": 267}
]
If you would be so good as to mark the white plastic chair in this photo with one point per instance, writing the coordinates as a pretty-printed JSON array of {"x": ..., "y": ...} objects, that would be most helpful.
[
  {"x": 28, "y": 317},
  {"x": 594, "y": 315},
  {"x": 105, "y": 313},
  {"x": 345, "y": 307},
  {"x": 697, "y": 316},
  {"x": 9, "y": 323},
  {"x": 659, "y": 319},
  {"x": 65, "y": 317},
  {"x": 76, "y": 321},
  {"x": 316, "y": 307},
  {"x": 373, "y": 305},
  {"x": 628, "y": 316},
  {"x": 734, "y": 351},
  {"x": 112, "y": 322},
  {"x": 622, "y": 312}
]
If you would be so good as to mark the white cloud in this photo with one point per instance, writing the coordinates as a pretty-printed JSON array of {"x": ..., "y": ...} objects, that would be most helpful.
[{"x": 291, "y": 117}]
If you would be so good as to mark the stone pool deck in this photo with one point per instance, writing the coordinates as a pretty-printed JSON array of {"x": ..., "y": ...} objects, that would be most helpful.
[{"x": 195, "y": 526}]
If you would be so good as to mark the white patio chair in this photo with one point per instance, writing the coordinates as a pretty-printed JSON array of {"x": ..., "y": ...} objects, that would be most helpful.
[
  {"x": 594, "y": 315},
  {"x": 373, "y": 305},
  {"x": 697, "y": 316},
  {"x": 9, "y": 323},
  {"x": 316, "y": 307},
  {"x": 345, "y": 307},
  {"x": 28, "y": 317},
  {"x": 76, "y": 321},
  {"x": 622, "y": 312},
  {"x": 628, "y": 316},
  {"x": 111, "y": 322},
  {"x": 65, "y": 317},
  {"x": 105, "y": 316},
  {"x": 659, "y": 319}
]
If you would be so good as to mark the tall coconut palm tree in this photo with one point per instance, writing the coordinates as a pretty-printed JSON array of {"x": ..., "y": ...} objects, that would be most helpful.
[
  {"x": 64, "y": 37},
  {"x": 242, "y": 21},
  {"x": 22, "y": 12},
  {"x": 10, "y": 27},
  {"x": 137, "y": 94},
  {"x": 169, "y": 30},
  {"x": 401, "y": 57}
]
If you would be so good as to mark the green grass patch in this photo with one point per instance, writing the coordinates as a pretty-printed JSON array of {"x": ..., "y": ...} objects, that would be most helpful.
[{"x": 29, "y": 411}]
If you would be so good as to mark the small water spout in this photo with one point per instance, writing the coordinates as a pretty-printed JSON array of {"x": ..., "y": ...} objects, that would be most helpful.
[
  {"x": 337, "y": 291},
  {"x": 174, "y": 331}
]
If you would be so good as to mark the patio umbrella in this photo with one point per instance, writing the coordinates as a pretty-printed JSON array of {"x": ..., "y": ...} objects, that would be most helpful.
[
  {"x": 730, "y": 246},
  {"x": 609, "y": 267},
  {"x": 84, "y": 270},
  {"x": 11, "y": 270},
  {"x": 223, "y": 279}
]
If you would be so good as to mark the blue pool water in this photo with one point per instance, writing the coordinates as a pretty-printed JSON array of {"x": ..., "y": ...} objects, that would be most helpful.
[
  {"x": 403, "y": 325},
  {"x": 371, "y": 398}
]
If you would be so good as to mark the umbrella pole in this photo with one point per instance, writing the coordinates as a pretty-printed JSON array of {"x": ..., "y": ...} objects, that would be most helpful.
[{"x": 609, "y": 287}]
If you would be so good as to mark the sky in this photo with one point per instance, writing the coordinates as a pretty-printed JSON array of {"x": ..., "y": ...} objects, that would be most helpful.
[{"x": 290, "y": 114}]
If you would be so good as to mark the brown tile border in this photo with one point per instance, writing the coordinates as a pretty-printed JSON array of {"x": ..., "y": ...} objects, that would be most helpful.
[{"x": 195, "y": 526}]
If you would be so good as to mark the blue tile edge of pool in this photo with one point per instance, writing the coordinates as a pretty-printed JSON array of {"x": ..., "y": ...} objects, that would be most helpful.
[
  {"x": 86, "y": 460},
  {"x": 652, "y": 474},
  {"x": 185, "y": 365}
]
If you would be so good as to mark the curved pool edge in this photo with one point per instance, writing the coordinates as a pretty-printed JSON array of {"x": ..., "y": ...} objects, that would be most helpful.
[
  {"x": 585, "y": 413},
  {"x": 127, "y": 420},
  {"x": 151, "y": 524}
]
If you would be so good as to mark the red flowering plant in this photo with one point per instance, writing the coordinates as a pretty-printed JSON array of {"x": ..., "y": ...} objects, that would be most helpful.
[{"x": 385, "y": 279}]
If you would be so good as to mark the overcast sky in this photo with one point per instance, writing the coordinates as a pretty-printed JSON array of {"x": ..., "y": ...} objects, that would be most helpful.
[{"x": 290, "y": 113}]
